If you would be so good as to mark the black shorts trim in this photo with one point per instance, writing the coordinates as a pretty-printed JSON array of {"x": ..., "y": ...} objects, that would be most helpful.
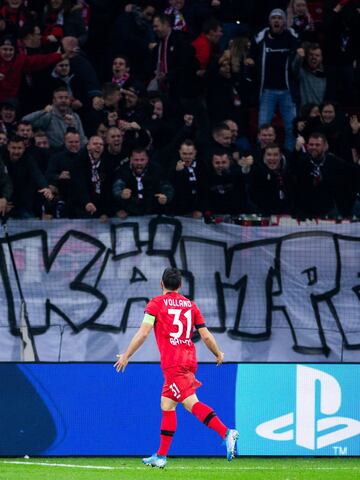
[{"x": 167, "y": 433}]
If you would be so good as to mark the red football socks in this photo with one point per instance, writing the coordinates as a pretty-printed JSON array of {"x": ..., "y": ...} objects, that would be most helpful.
[
  {"x": 207, "y": 416},
  {"x": 168, "y": 428}
]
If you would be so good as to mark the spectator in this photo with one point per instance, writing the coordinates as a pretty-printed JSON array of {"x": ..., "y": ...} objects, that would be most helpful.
[
  {"x": 101, "y": 130},
  {"x": 165, "y": 152},
  {"x": 221, "y": 141},
  {"x": 92, "y": 178},
  {"x": 309, "y": 70},
  {"x": 61, "y": 76},
  {"x": 41, "y": 140},
  {"x": 82, "y": 68},
  {"x": 324, "y": 182},
  {"x": 133, "y": 113},
  {"x": 240, "y": 141},
  {"x": 355, "y": 139},
  {"x": 107, "y": 107},
  {"x": 342, "y": 29},
  {"x": 242, "y": 155},
  {"x": 120, "y": 71},
  {"x": 59, "y": 174},
  {"x": 62, "y": 18},
  {"x": 6, "y": 188},
  {"x": 114, "y": 153},
  {"x": 223, "y": 93},
  {"x": 173, "y": 61},
  {"x": 8, "y": 115},
  {"x": 272, "y": 50},
  {"x": 34, "y": 84},
  {"x": 3, "y": 139},
  {"x": 135, "y": 108},
  {"x": 266, "y": 136},
  {"x": 223, "y": 187},
  {"x": 14, "y": 14},
  {"x": 163, "y": 125},
  {"x": 55, "y": 119},
  {"x": 25, "y": 130},
  {"x": 184, "y": 178},
  {"x": 331, "y": 122},
  {"x": 178, "y": 11},
  {"x": 205, "y": 44},
  {"x": 139, "y": 188},
  {"x": 42, "y": 150},
  {"x": 13, "y": 67},
  {"x": 134, "y": 36},
  {"x": 238, "y": 52},
  {"x": 302, "y": 123},
  {"x": 271, "y": 185},
  {"x": 300, "y": 20},
  {"x": 26, "y": 178},
  {"x": 30, "y": 39}
]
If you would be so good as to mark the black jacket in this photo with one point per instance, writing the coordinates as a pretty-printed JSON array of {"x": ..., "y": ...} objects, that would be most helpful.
[
  {"x": 181, "y": 66},
  {"x": 271, "y": 192},
  {"x": 273, "y": 58},
  {"x": 141, "y": 202},
  {"x": 85, "y": 189},
  {"x": 332, "y": 190},
  {"x": 223, "y": 193},
  {"x": 6, "y": 187},
  {"x": 186, "y": 186},
  {"x": 26, "y": 178}
]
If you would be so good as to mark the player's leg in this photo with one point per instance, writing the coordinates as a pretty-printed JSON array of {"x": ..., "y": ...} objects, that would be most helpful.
[
  {"x": 167, "y": 431},
  {"x": 208, "y": 417},
  {"x": 205, "y": 414},
  {"x": 168, "y": 425}
]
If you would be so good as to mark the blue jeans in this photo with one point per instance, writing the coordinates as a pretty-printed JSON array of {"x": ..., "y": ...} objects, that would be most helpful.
[{"x": 269, "y": 100}]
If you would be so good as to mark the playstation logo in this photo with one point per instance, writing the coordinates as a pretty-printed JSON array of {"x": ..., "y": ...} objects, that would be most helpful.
[{"x": 317, "y": 393}]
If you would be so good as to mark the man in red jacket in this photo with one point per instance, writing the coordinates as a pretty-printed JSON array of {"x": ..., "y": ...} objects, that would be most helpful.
[
  {"x": 12, "y": 67},
  {"x": 205, "y": 43}
]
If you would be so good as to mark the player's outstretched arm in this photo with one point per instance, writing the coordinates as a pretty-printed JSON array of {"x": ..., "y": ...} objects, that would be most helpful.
[
  {"x": 135, "y": 343},
  {"x": 209, "y": 340}
]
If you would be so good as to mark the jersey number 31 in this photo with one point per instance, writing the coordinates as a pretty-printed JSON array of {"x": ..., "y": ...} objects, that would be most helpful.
[{"x": 176, "y": 313}]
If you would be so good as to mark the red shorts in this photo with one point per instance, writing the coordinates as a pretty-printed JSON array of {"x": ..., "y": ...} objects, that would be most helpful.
[{"x": 180, "y": 383}]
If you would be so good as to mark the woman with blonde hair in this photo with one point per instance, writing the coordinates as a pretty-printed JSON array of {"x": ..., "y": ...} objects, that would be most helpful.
[{"x": 299, "y": 18}]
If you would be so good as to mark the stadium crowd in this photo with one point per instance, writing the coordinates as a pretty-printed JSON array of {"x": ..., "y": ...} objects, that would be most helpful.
[{"x": 181, "y": 107}]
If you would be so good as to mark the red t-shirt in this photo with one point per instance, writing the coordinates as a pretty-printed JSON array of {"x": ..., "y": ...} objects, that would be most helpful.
[
  {"x": 175, "y": 319},
  {"x": 203, "y": 50}
]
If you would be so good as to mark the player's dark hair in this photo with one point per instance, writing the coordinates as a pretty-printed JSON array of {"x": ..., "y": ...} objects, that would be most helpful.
[{"x": 171, "y": 278}]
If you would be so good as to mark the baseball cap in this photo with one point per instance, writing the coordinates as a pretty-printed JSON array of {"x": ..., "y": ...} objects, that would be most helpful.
[{"x": 277, "y": 12}]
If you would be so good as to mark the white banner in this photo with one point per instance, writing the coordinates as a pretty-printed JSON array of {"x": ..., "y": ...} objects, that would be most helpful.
[{"x": 268, "y": 293}]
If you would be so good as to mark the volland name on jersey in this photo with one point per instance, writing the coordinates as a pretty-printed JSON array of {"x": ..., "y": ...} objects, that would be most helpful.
[{"x": 170, "y": 302}]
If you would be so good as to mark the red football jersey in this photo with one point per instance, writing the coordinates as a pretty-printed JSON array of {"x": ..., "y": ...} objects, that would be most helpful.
[{"x": 175, "y": 319}]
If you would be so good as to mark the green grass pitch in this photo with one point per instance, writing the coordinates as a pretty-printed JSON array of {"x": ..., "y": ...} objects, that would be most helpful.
[{"x": 180, "y": 469}]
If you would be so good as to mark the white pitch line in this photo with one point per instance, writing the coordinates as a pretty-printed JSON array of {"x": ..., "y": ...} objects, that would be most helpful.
[
  {"x": 66, "y": 465},
  {"x": 99, "y": 467}
]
